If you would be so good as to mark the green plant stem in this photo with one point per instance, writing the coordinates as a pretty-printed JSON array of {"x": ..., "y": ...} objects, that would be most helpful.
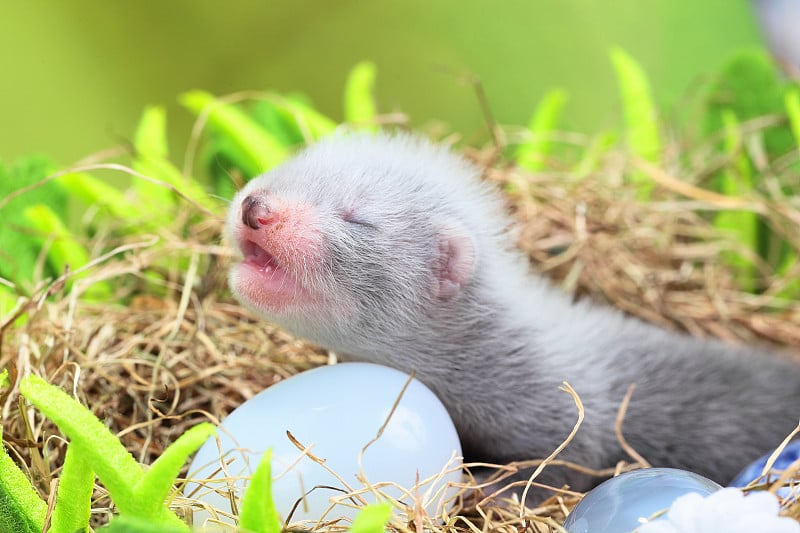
[
  {"x": 309, "y": 120},
  {"x": 641, "y": 126},
  {"x": 792, "y": 102},
  {"x": 74, "y": 496},
  {"x": 154, "y": 488},
  {"x": 65, "y": 250},
  {"x": 739, "y": 224},
  {"x": 359, "y": 101},
  {"x": 114, "y": 465},
  {"x": 92, "y": 191},
  {"x": 372, "y": 518},
  {"x": 260, "y": 149},
  {"x": 150, "y": 142},
  {"x": 21, "y": 508},
  {"x": 258, "y": 513},
  {"x": 533, "y": 153}
]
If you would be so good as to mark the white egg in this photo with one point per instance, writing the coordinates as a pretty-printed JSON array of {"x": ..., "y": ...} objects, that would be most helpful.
[{"x": 334, "y": 411}]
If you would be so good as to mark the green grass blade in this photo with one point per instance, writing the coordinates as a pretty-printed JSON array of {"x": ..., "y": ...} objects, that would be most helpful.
[
  {"x": 163, "y": 170},
  {"x": 74, "y": 496},
  {"x": 359, "y": 101},
  {"x": 151, "y": 160},
  {"x": 275, "y": 120},
  {"x": 792, "y": 289},
  {"x": 372, "y": 518},
  {"x": 790, "y": 259},
  {"x": 114, "y": 465},
  {"x": 258, "y": 513},
  {"x": 8, "y": 301},
  {"x": 751, "y": 86},
  {"x": 21, "y": 508},
  {"x": 18, "y": 253},
  {"x": 154, "y": 488},
  {"x": 64, "y": 250},
  {"x": 151, "y": 135},
  {"x": 260, "y": 149},
  {"x": 93, "y": 191},
  {"x": 792, "y": 101},
  {"x": 641, "y": 124},
  {"x": 739, "y": 224},
  {"x": 306, "y": 117},
  {"x": 533, "y": 153},
  {"x": 640, "y": 112},
  {"x": 129, "y": 524},
  {"x": 150, "y": 142}
]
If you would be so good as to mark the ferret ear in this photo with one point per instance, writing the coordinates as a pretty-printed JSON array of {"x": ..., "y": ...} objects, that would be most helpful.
[{"x": 454, "y": 262}]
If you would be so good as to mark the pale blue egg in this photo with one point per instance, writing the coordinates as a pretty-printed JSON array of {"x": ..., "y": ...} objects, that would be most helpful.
[
  {"x": 336, "y": 411},
  {"x": 627, "y": 501}
]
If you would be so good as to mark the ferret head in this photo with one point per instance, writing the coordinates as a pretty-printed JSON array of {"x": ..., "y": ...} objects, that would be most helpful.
[{"x": 359, "y": 238}]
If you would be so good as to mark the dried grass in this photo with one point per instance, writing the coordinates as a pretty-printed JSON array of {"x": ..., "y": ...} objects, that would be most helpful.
[{"x": 151, "y": 364}]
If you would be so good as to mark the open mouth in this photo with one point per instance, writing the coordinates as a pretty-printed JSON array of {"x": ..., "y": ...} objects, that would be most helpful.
[
  {"x": 257, "y": 257},
  {"x": 262, "y": 279}
]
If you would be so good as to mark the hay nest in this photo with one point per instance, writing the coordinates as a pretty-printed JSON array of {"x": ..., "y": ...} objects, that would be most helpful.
[{"x": 153, "y": 363}]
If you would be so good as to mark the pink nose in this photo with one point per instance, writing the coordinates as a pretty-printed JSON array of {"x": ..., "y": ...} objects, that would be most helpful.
[{"x": 255, "y": 212}]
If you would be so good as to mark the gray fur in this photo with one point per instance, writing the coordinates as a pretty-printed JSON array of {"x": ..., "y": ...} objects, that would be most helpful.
[{"x": 496, "y": 352}]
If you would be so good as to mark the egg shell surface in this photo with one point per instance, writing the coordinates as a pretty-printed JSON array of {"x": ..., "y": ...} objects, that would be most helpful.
[
  {"x": 623, "y": 503},
  {"x": 334, "y": 411}
]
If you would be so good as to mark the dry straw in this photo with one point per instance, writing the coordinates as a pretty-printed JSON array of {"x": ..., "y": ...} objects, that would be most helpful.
[{"x": 153, "y": 365}]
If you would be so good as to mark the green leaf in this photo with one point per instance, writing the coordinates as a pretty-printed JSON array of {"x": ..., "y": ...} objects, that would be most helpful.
[
  {"x": 163, "y": 170},
  {"x": 151, "y": 135},
  {"x": 152, "y": 490},
  {"x": 751, "y": 86},
  {"x": 640, "y": 111},
  {"x": 306, "y": 117},
  {"x": 21, "y": 508},
  {"x": 260, "y": 149},
  {"x": 740, "y": 224},
  {"x": 359, "y": 101},
  {"x": 114, "y": 465},
  {"x": 65, "y": 250},
  {"x": 641, "y": 124},
  {"x": 130, "y": 524},
  {"x": 792, "y": 288},
  {"x": 792, "y": 102},
  {"x": 8, "y": 301},
  {"x": 274, "y": 119},
  {"x": 533, "y": 153},
  {"x": 258, "y": 512},
  {"x": 151, "y": 160},
  {"x": 18, "y": 253},
  {"x": 789, "y": 259},
  {"x": 150, "y": 142},
  {"x": 93, "y": 191},
  {"x": 74, "y": 496},
  {"x": 372, "y": 518}
]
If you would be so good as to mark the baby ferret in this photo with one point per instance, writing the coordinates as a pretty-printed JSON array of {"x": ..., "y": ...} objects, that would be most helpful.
[{"x": 392, "y": 250}]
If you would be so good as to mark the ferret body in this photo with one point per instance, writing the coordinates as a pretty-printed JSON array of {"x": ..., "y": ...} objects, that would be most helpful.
[{"x": 392, "y": 250}]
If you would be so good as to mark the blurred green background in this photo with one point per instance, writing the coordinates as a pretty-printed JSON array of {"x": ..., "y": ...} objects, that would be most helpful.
[{"x": 76, "y": 75}]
